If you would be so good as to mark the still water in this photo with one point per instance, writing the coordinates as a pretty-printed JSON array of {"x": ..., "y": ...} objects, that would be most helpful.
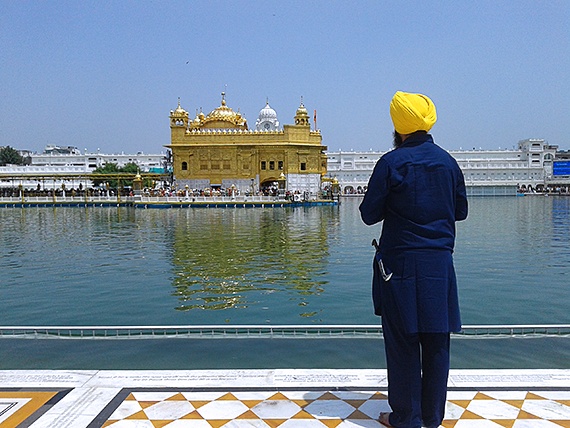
[{"x": 121, "y": 266}]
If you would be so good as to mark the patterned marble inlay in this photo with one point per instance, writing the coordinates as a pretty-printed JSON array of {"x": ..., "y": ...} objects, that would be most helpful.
[
  {"x": 17, "y": 406},
  {"x": 328, "y": 409}
]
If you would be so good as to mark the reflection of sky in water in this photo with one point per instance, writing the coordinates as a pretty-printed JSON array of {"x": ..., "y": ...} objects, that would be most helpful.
[
  {"x": 110, "y": 266},
  {"x": 107, "y": 266},
  {"x": 513, "y": 261}
]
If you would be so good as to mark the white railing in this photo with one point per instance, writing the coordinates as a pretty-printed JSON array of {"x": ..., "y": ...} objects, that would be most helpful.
[
  {"x": 265, "y": 332},
  {"x": 149, "y": 199},
  {"x": 209, "y": 199},
  {"x": 63, "y": 199},
  {"x": 51, "y": 199}
]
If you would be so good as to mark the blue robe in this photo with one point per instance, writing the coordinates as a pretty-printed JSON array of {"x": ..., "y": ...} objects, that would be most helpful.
[{"x": 418, "y": 191}]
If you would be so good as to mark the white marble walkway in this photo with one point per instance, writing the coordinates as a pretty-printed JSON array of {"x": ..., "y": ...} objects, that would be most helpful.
[{"x": 297, "y": 398}]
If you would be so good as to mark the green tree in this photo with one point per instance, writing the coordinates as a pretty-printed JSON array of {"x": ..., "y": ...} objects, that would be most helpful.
[
  {"x": 9, "y": 156},
  {"x": 108, "y": 168},
  {"x": 131, "y": 168},
  {"x": 112, "y": 168}
]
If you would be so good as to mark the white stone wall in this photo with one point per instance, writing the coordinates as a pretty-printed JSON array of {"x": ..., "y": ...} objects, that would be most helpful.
[{"x": 304, "y": 183}]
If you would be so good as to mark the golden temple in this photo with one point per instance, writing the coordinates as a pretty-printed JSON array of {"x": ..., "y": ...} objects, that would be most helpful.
[{"x": 218, "y": 150}]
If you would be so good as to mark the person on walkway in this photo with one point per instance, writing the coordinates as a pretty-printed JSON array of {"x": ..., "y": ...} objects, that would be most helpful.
[{"x": 418, "y": 191}]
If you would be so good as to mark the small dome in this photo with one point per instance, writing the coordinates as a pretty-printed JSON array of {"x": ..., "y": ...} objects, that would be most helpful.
[
  {"x": 302, "y": 115},
  {"x": 302, "y": 111},
  {"x": 267, "y": 113},
  {"x": 179, "y": 112},
  {"x": 267, "y": 119}
]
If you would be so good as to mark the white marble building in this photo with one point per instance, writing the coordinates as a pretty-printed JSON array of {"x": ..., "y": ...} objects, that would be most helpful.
[
  {"x": 530, "y": 164},
  {"x": 54, "y": 156},
  {"x": 58, "y": 161}
]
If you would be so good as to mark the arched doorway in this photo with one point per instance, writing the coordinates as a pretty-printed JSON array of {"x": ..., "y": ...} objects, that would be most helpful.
[{"x": 269, "y": 187}]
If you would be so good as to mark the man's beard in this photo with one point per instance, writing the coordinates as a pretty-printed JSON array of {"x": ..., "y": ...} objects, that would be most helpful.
[{"x": 397, "y": 140}]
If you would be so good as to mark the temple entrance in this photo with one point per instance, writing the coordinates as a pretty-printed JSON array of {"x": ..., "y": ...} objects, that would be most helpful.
[{"x": 269, "y": 187}]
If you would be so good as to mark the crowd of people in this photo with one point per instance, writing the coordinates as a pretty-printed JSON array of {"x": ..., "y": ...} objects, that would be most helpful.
[{"x": 556, "y": 190}]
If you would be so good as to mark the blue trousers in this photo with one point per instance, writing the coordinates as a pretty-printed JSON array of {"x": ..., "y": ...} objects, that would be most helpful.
[{"x": 418, "y": 368}]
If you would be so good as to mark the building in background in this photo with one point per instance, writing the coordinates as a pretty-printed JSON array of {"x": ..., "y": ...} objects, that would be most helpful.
[
  {"x": 62, "y": 157},
  {"x": 58, "y": 165},
  {"x": 487, "y": 172},
  {"x": 218, "y": 151}
]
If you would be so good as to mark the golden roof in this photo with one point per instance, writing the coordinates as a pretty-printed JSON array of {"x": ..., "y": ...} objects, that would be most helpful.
[{"x": 224, "y": 117}]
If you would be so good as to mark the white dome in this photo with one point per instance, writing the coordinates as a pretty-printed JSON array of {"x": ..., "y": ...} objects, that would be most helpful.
[
  {"x": 267, "y": 119},
  {"x": 267, "y": 113}
]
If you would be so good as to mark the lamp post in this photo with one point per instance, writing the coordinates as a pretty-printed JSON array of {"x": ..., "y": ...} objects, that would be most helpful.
[
  {"x": 86, "y": 195},
  {"x": 137, "y": 186}
]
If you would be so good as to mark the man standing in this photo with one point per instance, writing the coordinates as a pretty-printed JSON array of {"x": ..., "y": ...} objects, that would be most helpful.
[{"x": 418, "y": 191}]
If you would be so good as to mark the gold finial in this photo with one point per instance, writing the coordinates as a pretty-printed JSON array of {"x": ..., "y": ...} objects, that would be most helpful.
[{"x": 223, "y": 98}]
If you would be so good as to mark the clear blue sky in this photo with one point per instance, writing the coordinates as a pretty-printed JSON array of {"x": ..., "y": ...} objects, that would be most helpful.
[{"x": 105, "y": 74}]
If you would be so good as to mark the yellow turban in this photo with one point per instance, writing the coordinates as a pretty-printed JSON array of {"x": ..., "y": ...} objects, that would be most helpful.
[{"x": 412, "y": 112}]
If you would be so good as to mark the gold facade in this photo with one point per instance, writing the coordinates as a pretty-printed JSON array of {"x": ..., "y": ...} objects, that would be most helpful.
[{"x": 218, "y": 149}]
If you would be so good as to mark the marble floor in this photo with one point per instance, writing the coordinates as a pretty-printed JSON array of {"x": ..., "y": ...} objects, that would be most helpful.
[{"x": 269, "y": 398}]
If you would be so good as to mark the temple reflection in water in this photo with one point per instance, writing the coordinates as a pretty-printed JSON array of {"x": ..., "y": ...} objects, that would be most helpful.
[{"x": 238, "y": 257}]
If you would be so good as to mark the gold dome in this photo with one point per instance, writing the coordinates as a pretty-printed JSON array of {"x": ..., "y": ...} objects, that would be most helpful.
[
  {"x": 224, "y": 117},
  {"x": 179, "y": 112},
  {"x": 302, "y": 115}
]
